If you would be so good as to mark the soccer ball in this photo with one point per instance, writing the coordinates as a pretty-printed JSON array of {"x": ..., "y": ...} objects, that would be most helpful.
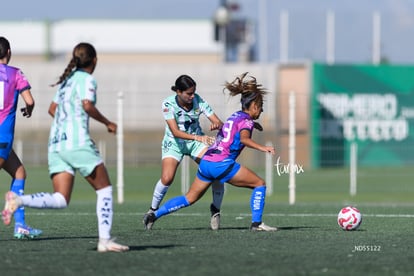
[{"x": 349, "y": 218}]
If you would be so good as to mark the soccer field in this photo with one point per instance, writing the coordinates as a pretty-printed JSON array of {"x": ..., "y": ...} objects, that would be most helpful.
[{"x": 309, "y": 241}]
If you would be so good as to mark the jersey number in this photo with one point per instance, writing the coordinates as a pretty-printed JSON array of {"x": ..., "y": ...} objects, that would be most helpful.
[{"x": 227, "y": 131}]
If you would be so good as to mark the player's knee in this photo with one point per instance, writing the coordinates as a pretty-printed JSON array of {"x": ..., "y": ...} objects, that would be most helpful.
[
  {"x": 166, "y": 180},
  {"x": 259, "y": 183},
  {"x": 20, "y": 173}
]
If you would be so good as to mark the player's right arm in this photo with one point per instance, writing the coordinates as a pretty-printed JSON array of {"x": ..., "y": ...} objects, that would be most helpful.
[
  {"x": 177, "y": 133},
  {"x": 92, "y": 111}
]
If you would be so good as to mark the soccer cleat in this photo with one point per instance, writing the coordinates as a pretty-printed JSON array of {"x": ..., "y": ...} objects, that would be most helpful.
[
  {"x": 215, "y": 217},
  {"x": 13, "y": 202},
  {"x": 148, "y": 220},
  {"x": 109, "y": 245},
  {"x": 25, "y": 231},
  {"x": 262, "y": 227}
]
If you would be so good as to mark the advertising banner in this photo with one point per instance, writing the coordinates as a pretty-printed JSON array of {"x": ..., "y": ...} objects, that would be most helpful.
[{"x": 371, "y": 106}]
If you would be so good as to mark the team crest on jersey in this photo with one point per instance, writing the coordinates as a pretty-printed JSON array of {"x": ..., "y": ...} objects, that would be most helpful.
[{"x": 249, "y": 123}]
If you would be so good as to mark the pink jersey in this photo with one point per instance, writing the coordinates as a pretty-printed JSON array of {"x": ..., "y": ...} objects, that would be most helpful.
[
  {"x": 228, "y": 145},
  {"x": 12, "y": 83}
]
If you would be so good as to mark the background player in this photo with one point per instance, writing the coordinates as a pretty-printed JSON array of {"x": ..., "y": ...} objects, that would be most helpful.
[
  {"x": 12, "y": 84},
  {"x": 71, "y": 147}
]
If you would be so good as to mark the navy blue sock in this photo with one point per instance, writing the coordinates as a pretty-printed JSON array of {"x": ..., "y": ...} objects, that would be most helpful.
[
  {"x": 17, "y": 186},
  {"x": 172, "y": 205},
  {"x": 257, "y": 202}
]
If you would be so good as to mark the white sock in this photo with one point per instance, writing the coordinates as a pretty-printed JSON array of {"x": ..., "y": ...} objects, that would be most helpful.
[
  {"x": 217, "y": 189},
  {"x": 44, "y": 201},
  {"x": 160, "y": 191},
  {"x": 104, "y": 212}
]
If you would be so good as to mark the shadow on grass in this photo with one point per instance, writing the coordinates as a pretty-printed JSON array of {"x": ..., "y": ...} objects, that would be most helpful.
[
  {"x": 296, "y": 227},
  {"x": 239, "y": 228},
  {"x": 145, "y": 247},
  {"x": 63, "y": 238}
]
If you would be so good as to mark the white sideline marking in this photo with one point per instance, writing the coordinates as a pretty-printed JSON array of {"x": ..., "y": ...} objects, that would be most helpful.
[{"x": 227, "y": 214}]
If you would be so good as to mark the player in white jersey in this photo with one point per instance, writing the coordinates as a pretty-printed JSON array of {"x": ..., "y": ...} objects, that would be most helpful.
[
  {"x": 71, "y": 148},
  {"x": 184, "y": 136}
]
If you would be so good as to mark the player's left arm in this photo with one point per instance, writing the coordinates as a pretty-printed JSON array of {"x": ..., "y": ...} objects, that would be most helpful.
[
  {"x": 29, "y": 101},
  {"x": 246, "y": 140},
  {"x": 215, "y": 121},
  {"x": 92, "y": 111},
  {"x": 52, "y": 109}
]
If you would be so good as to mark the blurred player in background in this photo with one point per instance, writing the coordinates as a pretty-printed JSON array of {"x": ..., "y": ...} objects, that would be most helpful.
[
  {"x": 71, "y": 147},
  {"x": 184, "y": 136},
  {"x": 12, "y": 85},
  {"x": 219, "y": 162}
]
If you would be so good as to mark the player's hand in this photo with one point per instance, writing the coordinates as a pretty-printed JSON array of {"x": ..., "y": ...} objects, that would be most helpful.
[
  {"x": 269, "y": 149},
  {"x": 112, "y": 127},
  {"x": 207, "y": 140},
  {"x": 214, "y": 126},
  {"x": 27, "y": 111}
]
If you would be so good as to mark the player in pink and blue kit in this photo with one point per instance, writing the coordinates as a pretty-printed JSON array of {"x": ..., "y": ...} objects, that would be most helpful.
[
  {"x": 12, "y": 84},
  {"x": 219, "y": 162}
]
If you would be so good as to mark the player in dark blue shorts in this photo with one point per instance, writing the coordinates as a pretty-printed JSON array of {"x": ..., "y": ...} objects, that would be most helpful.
[{"x": 13, "y": 84}]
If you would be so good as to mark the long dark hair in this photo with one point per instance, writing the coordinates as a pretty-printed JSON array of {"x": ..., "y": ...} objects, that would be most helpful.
[
  {"x": 249, "y": 89},
  {"x": 4, "y": 47},
  {"x": 82, "y": 56}
]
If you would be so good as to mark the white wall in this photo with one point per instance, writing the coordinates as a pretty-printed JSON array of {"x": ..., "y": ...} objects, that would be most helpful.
[
  {"x": 145, "y": 86},
  {"x": 111, "y": 36}
]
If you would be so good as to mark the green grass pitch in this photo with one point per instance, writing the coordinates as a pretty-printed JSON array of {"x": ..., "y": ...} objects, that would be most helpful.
[{"x": 309, "y": 241}]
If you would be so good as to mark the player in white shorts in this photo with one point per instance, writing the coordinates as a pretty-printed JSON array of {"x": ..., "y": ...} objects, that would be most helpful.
[{"x": 71, "y": 148}]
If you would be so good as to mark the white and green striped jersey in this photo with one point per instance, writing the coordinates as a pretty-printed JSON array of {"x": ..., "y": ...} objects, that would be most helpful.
[
  {"x": 187, "y": 121},
  {"x": 70, "y": 127}
]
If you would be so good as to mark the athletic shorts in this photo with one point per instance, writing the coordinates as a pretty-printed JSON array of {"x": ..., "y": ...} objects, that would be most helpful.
[
  {"x": 84, "y": 159},
  {"x": 222, "y": 171},
  {"x": 5, "y": 149},
  {"x": 170, "y": 148}
]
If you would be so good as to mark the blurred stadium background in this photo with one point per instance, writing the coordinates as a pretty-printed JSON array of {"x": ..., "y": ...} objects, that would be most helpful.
[{"x": 367, "y": 102}]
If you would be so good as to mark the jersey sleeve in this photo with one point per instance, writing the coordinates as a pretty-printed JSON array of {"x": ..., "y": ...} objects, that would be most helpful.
[
  {"x": 22, "y": 83},
  {"x": 56, "y": 97},
  {"x": 246, "y": 124},
  {"x": 167, "y": 110},
  {"x": 88, "y": 89}
]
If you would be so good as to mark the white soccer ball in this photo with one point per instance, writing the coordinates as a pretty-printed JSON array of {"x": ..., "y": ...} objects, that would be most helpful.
[{"x": 349, "y": 218}]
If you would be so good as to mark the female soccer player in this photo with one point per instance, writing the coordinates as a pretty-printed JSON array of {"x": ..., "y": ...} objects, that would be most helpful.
[
  {"x": 219, "y": 162},
  {"x": 12, "y": 84},
  {"x": 71, "y": 147},
  {"x": 184, "y": 136}
]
